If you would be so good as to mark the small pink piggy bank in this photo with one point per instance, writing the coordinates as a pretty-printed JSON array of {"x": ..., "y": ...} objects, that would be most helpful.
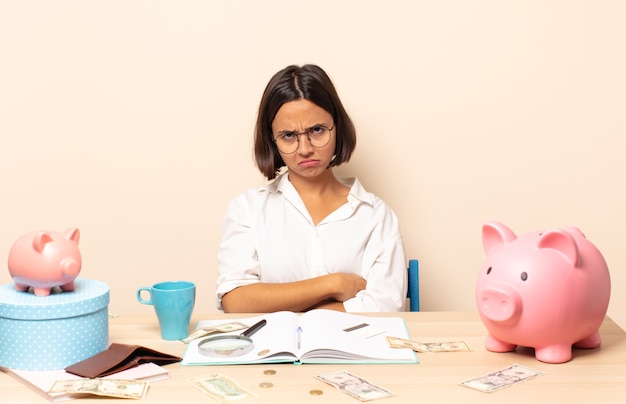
[
  {"x": 545, "y": 290},
  {"x": 45, "y": 260}
]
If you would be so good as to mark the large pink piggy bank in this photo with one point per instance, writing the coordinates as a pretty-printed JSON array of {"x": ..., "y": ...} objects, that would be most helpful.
[
  {"x": 546, "y": 290},
  {"x": 43, "y": 260}
]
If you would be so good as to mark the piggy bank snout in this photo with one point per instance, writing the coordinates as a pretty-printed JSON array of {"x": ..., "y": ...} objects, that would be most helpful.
[
  {"x": 500, "y": 303},
  {"x": 70, "y": 267}
]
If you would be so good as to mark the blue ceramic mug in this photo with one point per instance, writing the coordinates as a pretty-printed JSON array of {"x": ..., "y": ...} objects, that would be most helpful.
[{"x": 173, "y": 303}]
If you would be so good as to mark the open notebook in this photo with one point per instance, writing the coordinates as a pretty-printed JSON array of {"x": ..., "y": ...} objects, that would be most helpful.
[{"x": 317, "y": 336}]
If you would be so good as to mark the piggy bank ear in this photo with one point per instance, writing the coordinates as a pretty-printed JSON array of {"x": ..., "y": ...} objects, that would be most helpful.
[
  {"x": 494, "y": 234},
  {"x": 72, "y": 234},
  {"x": 574, "y": 231},
  {"x": 40, "y": 240},
  {"x": 562, "y": 242}
]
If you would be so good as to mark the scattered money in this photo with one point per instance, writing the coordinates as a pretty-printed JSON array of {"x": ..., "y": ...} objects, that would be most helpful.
[
  {"x": 269, "y": 372},
  {"x": 221, "y": 387},
  {"x": 502, "y": 378},
  {"x": 266, "y": 385},
  {"x": 316, "y": 392},
  {"x": 215, "y": 329},
  {"x": 447, "y": 346},
  {"x": 354, "y": 386},
  {"x": 102, "y": 387}
]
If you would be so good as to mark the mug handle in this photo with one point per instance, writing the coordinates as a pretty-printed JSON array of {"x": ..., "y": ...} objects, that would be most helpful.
[{"x": 141, "y": 299}]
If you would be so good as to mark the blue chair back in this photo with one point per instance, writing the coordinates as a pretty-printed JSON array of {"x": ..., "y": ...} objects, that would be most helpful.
[{"x": 413, "y": 291}]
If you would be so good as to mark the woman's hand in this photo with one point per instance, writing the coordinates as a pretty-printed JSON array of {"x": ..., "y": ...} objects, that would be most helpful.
[{"x": 345, "y": 286}]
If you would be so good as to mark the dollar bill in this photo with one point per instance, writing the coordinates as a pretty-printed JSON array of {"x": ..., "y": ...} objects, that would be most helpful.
[
  {"x": 117, "y": 388},
  {"x": 502, "y": 378},
  {"x": 221, "y": 387},
  {"x": 215, "y": 329},
  {"x": 444, "y": 346},
  {"x": 354, "y": 386}
]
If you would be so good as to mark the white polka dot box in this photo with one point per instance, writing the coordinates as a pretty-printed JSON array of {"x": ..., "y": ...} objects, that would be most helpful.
[{"x": 55, "y": 331}]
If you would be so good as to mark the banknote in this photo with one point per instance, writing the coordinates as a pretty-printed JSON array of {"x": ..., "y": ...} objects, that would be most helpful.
[
  {"x": 444, "y": 346},
  {"x": 354, "y": 386},
  {"x": 502, "y": 378},
  {"x": 215, "y": 329},
  {"x": 117, "y": 388},
  {"x": 221, "y": 387}
]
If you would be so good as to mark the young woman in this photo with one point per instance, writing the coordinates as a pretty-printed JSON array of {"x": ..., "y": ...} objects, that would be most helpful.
[{"x": 308, "y": 239}]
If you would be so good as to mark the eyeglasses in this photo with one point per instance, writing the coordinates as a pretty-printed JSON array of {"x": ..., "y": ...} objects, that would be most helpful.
[{"x": 318, "y": 136}]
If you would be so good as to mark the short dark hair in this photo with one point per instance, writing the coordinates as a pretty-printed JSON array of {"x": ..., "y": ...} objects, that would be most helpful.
[{"x": 292, "y": 83}]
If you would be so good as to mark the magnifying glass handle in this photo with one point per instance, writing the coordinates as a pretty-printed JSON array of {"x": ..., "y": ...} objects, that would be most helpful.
[{"x": 254, "y": 328}]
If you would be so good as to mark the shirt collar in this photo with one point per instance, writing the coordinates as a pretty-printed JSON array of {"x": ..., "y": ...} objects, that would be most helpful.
[{"x": 357, "y": 193}]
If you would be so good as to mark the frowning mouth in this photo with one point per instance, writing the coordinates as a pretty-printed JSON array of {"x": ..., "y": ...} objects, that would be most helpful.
[{"x": 308, "y": 163}]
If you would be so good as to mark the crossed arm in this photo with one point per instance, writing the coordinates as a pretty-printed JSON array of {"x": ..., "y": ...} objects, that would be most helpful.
[{"x": 324, "y": 292}]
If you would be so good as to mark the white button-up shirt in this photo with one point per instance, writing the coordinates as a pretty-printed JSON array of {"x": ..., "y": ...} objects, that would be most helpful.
[{"x": 269, "y": 236}]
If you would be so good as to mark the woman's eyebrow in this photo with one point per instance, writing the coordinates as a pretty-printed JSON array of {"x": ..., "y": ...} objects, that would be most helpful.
[{"x": 305, "y": 129}]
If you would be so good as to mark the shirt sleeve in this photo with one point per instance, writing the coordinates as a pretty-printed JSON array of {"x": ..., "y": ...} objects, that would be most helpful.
[
  {"x": 237, "y": 258},
  {"x": 385, "y": 269}
]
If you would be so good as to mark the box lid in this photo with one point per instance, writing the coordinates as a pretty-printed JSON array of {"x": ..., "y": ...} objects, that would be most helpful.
[{"x": 88, "y": 296}]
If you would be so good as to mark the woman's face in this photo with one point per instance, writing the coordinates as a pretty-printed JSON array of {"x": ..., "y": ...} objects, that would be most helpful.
[{"x": 299, "y": 116}]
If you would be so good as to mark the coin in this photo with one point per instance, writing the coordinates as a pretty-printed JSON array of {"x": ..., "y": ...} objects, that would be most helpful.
[
  {"x": 269, "y": 372},
  {"x": 266, "y": 385},
  {"x": 263, "y": 352},
  {"x": 316, "y": 392}
]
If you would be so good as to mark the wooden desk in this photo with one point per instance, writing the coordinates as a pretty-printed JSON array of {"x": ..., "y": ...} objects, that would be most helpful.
[{"x": 592, "y": 376}]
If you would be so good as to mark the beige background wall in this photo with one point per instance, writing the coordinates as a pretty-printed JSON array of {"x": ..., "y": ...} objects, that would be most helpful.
[{"x": 132, "y": 120}]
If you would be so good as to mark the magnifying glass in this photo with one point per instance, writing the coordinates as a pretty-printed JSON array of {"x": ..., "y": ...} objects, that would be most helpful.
[{"x": 230, "y": 345}]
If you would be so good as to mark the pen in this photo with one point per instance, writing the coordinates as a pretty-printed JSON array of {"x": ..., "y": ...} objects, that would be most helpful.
[{"x": 299, "y": 335}]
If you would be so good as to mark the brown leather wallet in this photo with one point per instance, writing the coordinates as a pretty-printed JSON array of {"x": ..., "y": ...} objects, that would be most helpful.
[{"x": 117, "y": 358}]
